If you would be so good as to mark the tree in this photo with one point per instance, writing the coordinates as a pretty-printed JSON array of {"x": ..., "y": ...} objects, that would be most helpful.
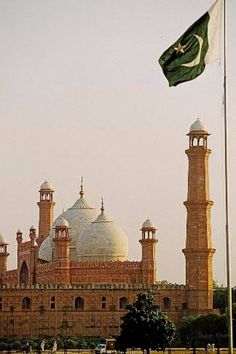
[
  {"x": 199, "y": 330},
  {"x": 219, "y": 297},
  {"x": 145, "y": 326}
]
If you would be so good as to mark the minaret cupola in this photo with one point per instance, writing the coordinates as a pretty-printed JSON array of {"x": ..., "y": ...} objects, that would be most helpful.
[
  {"x": 148, "y": 230},
  {"x": 198, "y": 135}
]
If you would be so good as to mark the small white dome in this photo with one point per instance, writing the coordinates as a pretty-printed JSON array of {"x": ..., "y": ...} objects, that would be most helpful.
[
  {"x": 46, "y": 186},
  {"x": 62, "y": 222},
  {"x": 148, "y": 224},
  {"x": 197, "y": 126},
  {"x": 2, "y": 239},
  {"x": 102, "y": 240}
]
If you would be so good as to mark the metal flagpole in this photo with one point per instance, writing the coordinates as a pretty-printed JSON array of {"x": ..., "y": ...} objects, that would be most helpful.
[{"x": 228, "y": 265}]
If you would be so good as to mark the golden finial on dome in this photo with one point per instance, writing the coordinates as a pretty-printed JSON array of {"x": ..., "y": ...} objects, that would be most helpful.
[{"x": 81, "y": 188}]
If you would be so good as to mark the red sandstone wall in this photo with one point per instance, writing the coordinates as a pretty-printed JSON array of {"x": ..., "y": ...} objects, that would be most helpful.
[{"x": 93, "y": 320}]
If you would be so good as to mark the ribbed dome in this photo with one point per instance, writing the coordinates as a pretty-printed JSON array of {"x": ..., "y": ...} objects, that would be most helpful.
[
  {"x": 197, "y": 126},
  {"x": 102, "y": 240},
  {"x": 78, "y": 216},
  {"x": 148, "y": 224},
  {"x": 2, "y": 239},
  {"x": 46, "y": 186}
]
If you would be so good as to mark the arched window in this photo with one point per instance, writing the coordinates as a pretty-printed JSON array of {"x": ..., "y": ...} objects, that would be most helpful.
[
  {"x": 123, "y": 303},
  {"x": 166, "y": 303},
  {"x": 24, "y": 274},
  {"x": 26, "y": 303},
  {"x": 79, "y": 303},
  {"x": 104, "y": 302},
  {"x": 53, "y": 303},
  {"x": 201, "y": 141}
]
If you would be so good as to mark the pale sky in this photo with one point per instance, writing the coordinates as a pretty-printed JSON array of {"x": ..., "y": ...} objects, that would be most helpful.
[{"x": 82, "y": 94}]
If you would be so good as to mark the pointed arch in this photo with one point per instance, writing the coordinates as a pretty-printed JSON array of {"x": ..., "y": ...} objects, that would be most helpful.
[
  {"x": 79, "y": 303},
  {"x": 123, "y": 302},
  {"x": 24, "y": 274}
]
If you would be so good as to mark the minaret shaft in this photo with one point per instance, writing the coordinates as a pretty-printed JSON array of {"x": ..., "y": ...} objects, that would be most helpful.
[{"x": 198, "y": 251}]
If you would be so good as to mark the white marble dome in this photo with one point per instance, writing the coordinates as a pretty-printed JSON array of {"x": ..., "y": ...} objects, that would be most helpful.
[
  {"x": 102, "y": 240},
  {"x": 61, "y": 222},
  {"x": 46, "y": 186},
  {"x": 78, "y": 216},
  {"x": 197, "y": 126},
  {"x": 2, "y": 239},
  {"x": 148, "y": 224}
]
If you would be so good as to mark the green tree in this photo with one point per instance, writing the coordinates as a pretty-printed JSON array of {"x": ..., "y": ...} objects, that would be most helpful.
[
  {"x": 197, "y": 331},
  {"x": 219, "y": 297},
  {"x": 145, "y": 326}
]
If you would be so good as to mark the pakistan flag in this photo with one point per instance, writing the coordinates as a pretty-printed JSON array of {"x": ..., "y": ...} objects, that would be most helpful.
[{"x": 198, "y": 46}]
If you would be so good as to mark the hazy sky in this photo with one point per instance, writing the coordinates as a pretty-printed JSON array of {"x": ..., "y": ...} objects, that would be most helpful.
[{"x": 82, "y": 94}]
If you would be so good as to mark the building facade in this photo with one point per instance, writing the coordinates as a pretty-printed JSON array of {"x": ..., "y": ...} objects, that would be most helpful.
[{"x": 73, "y": 276}]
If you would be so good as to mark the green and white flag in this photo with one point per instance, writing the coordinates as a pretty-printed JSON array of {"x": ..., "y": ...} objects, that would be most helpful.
[{"x": 198, "y": 46}]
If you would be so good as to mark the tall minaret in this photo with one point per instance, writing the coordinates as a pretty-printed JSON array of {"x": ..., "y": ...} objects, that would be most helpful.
[
  {"x": 148, "y": 243},
  {"x": 46, "y": 205},
  {"x": 198, "y": 251}
]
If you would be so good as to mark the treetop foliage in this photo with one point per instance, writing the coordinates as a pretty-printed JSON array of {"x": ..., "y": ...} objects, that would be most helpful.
[{"x": 145, "y": 326}]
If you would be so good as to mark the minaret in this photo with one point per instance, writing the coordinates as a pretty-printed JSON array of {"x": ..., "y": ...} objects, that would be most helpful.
[
  {"x": 198, "y": 251},
  {"x": 46, "y": 205},
  {"x": 62, "y": 241},
  {"x": 148, "y": 243},
  {"x": 3, "y": 258}
]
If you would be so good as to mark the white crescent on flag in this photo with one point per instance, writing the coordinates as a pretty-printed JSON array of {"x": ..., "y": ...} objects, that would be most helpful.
[{"x": 196, "y": 61}]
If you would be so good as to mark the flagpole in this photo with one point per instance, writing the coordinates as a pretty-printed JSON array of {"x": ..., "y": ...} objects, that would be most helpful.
[{"x": 228, "y": 265}]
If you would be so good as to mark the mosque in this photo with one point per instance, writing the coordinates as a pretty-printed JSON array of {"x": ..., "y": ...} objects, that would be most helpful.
[{"x": 73, "y": 276}]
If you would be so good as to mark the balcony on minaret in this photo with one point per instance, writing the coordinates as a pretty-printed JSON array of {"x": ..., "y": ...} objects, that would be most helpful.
[
  {"x": 148, "y": 230},
  {"x": 198, "y": 135}
]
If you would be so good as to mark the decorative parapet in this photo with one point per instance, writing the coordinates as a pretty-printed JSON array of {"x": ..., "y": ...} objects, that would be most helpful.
[
  {"x": 107, "y": 264},
  {"x": 96, "y": 287}
]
